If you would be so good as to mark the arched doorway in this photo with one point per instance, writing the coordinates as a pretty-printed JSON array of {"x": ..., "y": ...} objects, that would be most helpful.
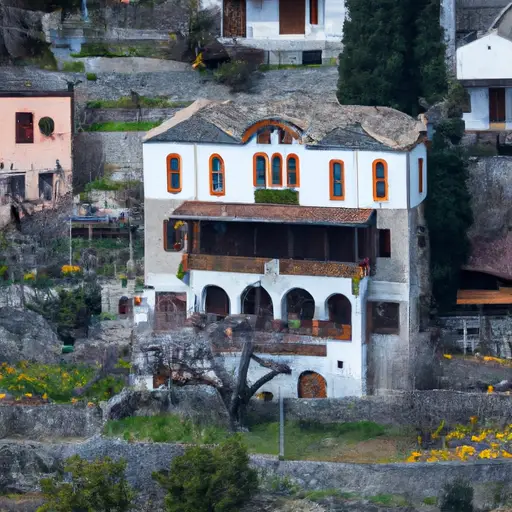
[
  {"x": 299, "y": 308},
  {"x": 123, "y": 307},
  {"x": 312, "y": 385},
  {"x": 216, "y": 301},
  {"x": 257, "y": 301},
  {"x": 340, "y": 309}
]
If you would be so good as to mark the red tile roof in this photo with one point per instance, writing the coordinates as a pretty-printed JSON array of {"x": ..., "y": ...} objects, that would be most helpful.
[{"x": 292, "y": 214}]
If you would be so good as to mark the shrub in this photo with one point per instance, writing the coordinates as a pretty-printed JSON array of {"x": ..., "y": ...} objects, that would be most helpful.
[
  {"x": 210, "y": 479},
  {"x": 118, "y": 126},
  {"x": 237, "y": 75},
  {"x": 457, "y": 497},
  {"x": 92, "y": 77},
  {"x": 276, "y": 196},
  {"x": 99, "y": 485},
  {"x": 73, "y": 67}
]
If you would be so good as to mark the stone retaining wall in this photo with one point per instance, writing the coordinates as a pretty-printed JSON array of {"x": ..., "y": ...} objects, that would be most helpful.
[
  {"x": 23, "y": 464},
  {"x": 102, "y": 115},
  {"x": 49, "y": 421}
]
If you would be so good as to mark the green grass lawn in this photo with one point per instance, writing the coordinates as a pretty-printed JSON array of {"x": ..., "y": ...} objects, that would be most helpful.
[
  {"x": 131, "y": 126},
  {"x": 350, "y": 442}
]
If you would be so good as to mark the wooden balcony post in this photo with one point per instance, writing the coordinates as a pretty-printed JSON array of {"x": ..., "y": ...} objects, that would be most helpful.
[{"x": 196, "y": 239}]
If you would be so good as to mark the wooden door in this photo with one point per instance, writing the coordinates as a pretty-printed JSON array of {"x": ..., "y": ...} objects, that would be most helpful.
[
  {"x": 312, "y": 385},
  {"x": 292, "y": 16},
  {"x": 235, "y": 18},
  {"x": 497, "y": 105}
]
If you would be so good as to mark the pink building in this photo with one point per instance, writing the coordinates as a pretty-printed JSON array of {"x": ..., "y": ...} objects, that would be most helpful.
[{"x": 35, "y": 146}]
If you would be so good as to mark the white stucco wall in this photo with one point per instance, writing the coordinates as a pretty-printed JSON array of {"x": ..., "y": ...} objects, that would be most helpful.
[
  {"x": 335, "y": 13},
  {"x": 486, "y": 58},
  {"x": 478, "y": 118},
  {"x": 262, "y": 18},
  {"x": 314, "y": 173}
]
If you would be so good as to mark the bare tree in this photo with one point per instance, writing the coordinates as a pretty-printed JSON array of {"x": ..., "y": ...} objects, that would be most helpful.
[{"x": 194, "y": 356}]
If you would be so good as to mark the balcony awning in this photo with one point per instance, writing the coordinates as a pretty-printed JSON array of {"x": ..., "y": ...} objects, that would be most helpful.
[{"x": 287, "y": 214}]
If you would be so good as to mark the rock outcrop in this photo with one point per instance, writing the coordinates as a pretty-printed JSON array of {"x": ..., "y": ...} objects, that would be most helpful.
[{"x": 27, "y": 336}]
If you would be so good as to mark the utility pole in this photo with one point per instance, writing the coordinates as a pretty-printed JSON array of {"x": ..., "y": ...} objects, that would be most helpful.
[
  {"x": 70, "y": 244},
  {"x": 281, "y": 426}
]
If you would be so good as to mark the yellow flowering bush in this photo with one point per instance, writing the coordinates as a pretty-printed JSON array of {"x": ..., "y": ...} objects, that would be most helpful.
[
  {"x": 55, "y": 382},
  {"x": 70, "y": 269},
  {"x": 498, "y": 360},
  {"x": 469, "y": 443},
  {"x": 447, "y": 356},
  {"x": 30, "y": 276}
]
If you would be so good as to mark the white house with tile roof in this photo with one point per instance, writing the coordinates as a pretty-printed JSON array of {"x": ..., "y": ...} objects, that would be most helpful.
[{"x": 302, "y": 212}]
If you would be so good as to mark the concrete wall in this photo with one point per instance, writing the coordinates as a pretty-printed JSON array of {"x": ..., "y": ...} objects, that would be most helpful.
[
  {"x": 314, "y": 173},
  {"x": 485, "y": 59}
]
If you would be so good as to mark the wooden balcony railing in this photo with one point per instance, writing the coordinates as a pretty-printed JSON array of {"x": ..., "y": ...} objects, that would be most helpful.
[{"x": 257, "y": 266}]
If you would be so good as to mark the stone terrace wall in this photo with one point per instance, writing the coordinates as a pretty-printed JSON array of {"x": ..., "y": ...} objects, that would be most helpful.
[
  {"x": 49, "y": 421},
  {"x": 102, "y": 115},
  {"x": 23, "y": 464}
]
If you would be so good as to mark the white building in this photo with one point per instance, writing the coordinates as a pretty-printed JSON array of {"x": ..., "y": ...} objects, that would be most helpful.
[
  {"x": 292, "y": 31},
  {"x": 484, "y": 68},
  {"x": 220, "y": 171}
]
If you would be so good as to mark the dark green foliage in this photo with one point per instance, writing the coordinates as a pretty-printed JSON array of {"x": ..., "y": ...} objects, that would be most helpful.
[
  {"x": 393, "y": 54},
  {"x": 276, "y": 196},
  {"x": 449, "y": 215},
  {"x": 98, "y": 486},
  {"x": 205, "y": 479},
  {"x": 237, "y": 74},
  {"x": 73, "y": 67},
  {"x": 92, "y": 77},
  {"x": 457, "y": 497}
]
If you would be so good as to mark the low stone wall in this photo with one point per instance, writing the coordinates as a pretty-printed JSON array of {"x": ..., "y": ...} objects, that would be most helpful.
[
  {"x": 49, "y": 421},
  {"x": 422, "y": 409},
  {"x": 102, "y": 115},
  {"x": 23, "y": 464}
]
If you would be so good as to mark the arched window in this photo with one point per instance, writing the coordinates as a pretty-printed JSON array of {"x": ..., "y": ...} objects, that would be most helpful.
[
  {"x": 174, "y": 173},
  {"x": 336, "y": 180},
  {"x": 260, "y": 169},
  {"x": 277, "y": 171},
  {"x": 217, "y": 178},
  {"x": 263, "y": 136},
  {"x": 380, "y": 180},
  {"x": 292, "y": 171}
]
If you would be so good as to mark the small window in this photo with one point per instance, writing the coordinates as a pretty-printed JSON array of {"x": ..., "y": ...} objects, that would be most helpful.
[
  {"x": 340, "y": 365},
  {"x": 217, "y": 178},
  {"x": 24, "y": 128},
  {"x": 337, "y": 184},
  {"x": 174, "y": 235},
  {"x": 260, "y": 170},
  {"x": 277, "y": 171},
  {"x": 264, "y": 137},
  {"x": 174, "y": 173},
  {"x": 384, "y": 243},
  {"x": 420, "y": 175},
  {"x": 380, "y": 180},
  {"x": 292, "y": 171},
  {"x": 385, "y": 318},
  {"x": 46, "y": 126}
]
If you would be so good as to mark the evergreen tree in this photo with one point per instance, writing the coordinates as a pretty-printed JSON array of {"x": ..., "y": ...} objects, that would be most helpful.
[{"x": 393, "y": 54}]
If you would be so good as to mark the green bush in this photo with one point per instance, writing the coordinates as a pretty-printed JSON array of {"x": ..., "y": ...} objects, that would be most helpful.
[
  {"x": 237, "y": 75},
  {"x": 457, "y": 497},
  {"x": 210, "y": 479},
  {"x": 286, "y": 196},
  {"x": 118, "y": 126},
  {"x": 98, "y": 486},
  {"x": 73, "y": 67},
  {"x": 92, "y": 77},
  {"x": 127, "y": 102}
]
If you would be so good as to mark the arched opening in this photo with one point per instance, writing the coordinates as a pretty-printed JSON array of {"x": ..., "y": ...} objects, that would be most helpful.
[
  {"x": 266, "y": 396},
  {"x": 216, "y": 301},
  {"x": 312, "y": 385},
  {"x": 124, "y": 306},
  {"x": 340, "y": 310},
  {"x": 299, "y": 309},
  {"x": 257, "y": 301}
]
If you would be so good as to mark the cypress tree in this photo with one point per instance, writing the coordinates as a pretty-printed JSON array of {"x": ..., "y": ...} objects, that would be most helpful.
[{"x": 393, "y": 54}]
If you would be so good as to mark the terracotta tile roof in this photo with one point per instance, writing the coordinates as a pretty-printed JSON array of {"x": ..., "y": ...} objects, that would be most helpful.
[{"x": 272, "y": 213}]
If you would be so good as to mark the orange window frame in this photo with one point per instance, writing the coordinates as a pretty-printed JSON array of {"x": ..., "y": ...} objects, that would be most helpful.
[
  {"x": 280, "y": 184},
  {"x": 420, "y": 175},
  {"x": 221, "y": 172},
  {"x": 332, "y": 181},
  {"x": 297, "y": 171},
  {"x": 379, "y": 180},
  {"x": 254, "y": 164},
  {"x": 170, "y": 172}
]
